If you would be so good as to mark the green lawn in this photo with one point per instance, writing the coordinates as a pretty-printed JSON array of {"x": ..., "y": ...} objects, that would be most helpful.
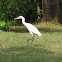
[{"x": 47, "y": 48}]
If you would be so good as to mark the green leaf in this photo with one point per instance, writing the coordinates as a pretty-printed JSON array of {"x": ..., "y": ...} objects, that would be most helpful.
[{"x": 2, "y": 23}]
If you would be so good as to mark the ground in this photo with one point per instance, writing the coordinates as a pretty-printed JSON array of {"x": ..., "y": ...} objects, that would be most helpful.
[{"x": 47, "y": 48}]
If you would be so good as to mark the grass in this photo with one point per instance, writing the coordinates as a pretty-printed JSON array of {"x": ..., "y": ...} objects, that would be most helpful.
[{"x": 47, "y": 48}]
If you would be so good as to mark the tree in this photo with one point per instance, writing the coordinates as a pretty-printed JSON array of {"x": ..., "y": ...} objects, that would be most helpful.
[
  {"x": 13, "y": 8},
  {"x": 50, "y": 9}
]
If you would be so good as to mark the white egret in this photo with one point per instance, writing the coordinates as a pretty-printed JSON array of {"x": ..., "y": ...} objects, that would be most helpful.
[{"x": 31, "y": 28}]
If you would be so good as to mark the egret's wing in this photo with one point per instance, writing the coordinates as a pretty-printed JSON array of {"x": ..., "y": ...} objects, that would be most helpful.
[{"x": 33, "y": 29}]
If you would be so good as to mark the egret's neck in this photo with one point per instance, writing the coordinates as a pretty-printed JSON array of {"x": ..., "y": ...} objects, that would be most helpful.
[{"x": 23, "y": 20}]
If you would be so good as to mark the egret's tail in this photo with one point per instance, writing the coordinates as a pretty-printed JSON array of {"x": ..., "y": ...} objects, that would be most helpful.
[{"x": 39, "y": 34}]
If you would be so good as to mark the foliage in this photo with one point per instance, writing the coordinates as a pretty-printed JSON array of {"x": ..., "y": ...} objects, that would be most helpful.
[
  {"x": 12, "y": 8},
  {"x": 60, "y": 6},
  {"x": 2, "y": 23},
  {"x": 4, "y": 26},
  {"x": 9, "y": 9},
  {"x": 14, "y": 22}
]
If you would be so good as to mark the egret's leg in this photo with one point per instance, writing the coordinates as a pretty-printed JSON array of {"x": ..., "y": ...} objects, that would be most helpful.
[
  {"x": 32, "y": 39},
  {"x": 31, "y": 34}
]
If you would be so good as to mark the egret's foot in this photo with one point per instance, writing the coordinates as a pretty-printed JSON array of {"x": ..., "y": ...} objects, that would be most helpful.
[{"x": 29, "y": 39}]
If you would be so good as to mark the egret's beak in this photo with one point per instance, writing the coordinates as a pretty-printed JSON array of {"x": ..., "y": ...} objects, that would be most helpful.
[{"x": 16, "y": 18}]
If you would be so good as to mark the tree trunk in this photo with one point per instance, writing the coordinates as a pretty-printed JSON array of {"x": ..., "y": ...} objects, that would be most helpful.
[{"x": 50, "y": 9}]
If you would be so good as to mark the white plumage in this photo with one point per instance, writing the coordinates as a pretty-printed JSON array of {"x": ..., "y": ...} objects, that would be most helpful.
[{"x": 31, "y": 28}]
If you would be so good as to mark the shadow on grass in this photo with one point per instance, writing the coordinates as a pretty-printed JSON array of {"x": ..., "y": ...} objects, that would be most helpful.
[
  {"x": 41, "y": 29},
  {"x": 44, "y": 29},
  {"x": 28, "y": 54}
]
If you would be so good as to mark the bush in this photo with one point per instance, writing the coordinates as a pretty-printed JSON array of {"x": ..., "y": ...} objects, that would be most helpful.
[{"x": 14, "y": 22}]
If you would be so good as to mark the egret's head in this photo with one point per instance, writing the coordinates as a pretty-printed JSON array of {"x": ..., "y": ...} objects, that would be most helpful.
[{"x": 20, "y": 17}]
